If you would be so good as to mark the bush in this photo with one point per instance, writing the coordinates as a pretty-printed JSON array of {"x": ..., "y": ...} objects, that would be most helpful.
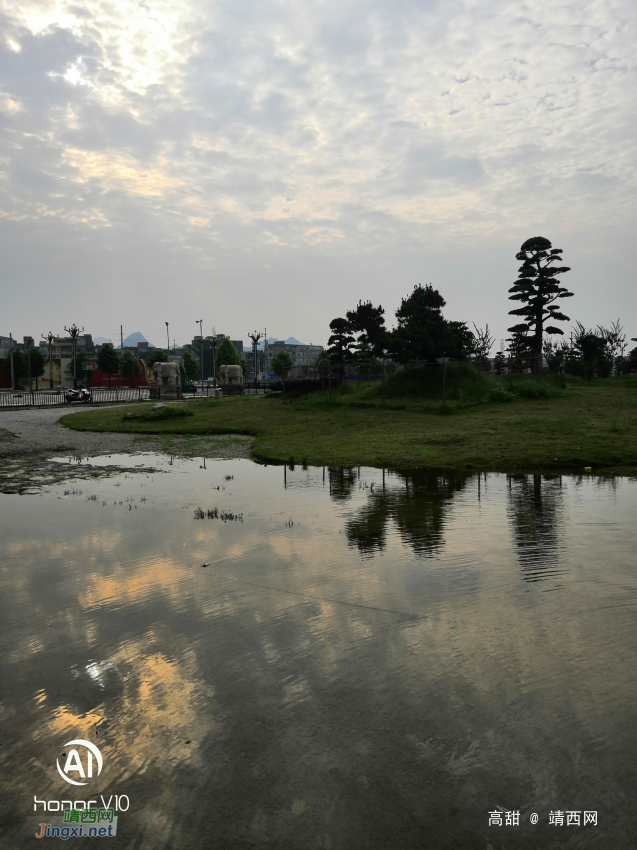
[
  {"x": 171, "y": 412},
  {"x": 501, "y": 394},
  {"x": 536, "y": 389}
]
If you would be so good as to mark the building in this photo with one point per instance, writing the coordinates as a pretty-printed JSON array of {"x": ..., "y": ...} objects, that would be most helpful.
[{"x": 302, "y": 355}]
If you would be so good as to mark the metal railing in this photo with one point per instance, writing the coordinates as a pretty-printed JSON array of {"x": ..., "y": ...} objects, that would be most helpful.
[{"x": 50, "y": 398}]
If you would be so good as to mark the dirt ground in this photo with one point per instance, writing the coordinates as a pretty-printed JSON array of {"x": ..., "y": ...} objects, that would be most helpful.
[{"x": 30, "y": 437}]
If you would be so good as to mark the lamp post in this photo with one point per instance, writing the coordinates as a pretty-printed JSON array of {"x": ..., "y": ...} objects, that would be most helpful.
[
  {"x": 255, "y": 336},
  {"x": 213, "y": 345},
  {"x": 29, "y": 343},
  {"x": 11, "y": 361},
  {"x": 200, "y": 323},
  {"x": 74, "y": 332},
  {"x": 167, "y": 342},
  {"x": 49, "y": 341}
]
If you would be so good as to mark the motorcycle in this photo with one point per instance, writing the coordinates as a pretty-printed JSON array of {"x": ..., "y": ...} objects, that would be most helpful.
[{"x": 82, "y": 395}]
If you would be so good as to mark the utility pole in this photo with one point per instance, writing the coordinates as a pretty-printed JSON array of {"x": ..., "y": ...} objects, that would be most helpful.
[
  {"x": 74, "y": 332},
  {"x": 266, "y": 354},
  {"x": 200, "y": 323},
  {"x": 121, "y": 339},
  {"x": 29, "y": 342},
  {"x": 11, "y": 361},
  {"x": 255, "y": 336},
  {"x": 167, "y": 342},
  {"x": 49, "y": 341}
]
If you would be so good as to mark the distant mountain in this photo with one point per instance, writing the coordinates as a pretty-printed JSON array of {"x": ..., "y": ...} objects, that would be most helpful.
[
  {"x": 293, "y": 341},
  {"x": 132, "y": 339},
  {"x": 261, "y": 344},
  {"x": 100, "y": 340}
]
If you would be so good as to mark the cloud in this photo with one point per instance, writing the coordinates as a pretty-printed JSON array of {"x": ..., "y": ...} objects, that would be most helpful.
[{"x": 409, "y": 125}]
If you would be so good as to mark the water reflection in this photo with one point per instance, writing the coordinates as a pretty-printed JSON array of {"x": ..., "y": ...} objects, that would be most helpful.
[
  {"x": 293, "y": 694},
  {"x": 415, "y": 503},
  {"x": 536, "y": 513}
]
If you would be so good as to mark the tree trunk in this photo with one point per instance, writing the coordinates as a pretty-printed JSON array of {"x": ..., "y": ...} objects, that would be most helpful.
[
  {"x": 444, "y": 380},
  {"x": 480, "y": 379},
  {"x": 383, "y": 381}
]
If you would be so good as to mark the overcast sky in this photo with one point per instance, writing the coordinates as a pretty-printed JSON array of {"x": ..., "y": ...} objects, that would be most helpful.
[{"x": 271, "y": 163}]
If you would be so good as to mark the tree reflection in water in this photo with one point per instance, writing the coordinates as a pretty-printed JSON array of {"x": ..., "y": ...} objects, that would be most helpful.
[
  {"x": 535, "y": 511},
  {"x": 415, "y": 502}
]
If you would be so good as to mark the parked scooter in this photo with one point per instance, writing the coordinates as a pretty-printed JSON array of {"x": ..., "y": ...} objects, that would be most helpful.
[{"x": 78, "y": 395}]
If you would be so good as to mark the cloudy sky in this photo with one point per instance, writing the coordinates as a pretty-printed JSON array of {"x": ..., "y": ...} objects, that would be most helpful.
[{"x": 271, "y": 163}]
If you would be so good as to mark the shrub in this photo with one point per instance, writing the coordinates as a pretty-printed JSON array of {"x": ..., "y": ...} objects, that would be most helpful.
[
  {"x": 536, "y": 389},
  {"x": 501, "y": 394},
  {"x": 171, "y": 412}
]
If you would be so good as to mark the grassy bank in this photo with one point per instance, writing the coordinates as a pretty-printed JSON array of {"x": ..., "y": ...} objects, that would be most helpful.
[{"x": 585, "y": 425}]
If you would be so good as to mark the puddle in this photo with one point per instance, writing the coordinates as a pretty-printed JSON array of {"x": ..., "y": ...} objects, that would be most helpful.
[{"x": 336, "y": 657}]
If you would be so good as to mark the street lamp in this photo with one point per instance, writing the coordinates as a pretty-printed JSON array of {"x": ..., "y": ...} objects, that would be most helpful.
[
  {"x": 74, "y": 332},
  {"x": 168, "y": 342},
  {"x": 213, "y": 345},
  {"x": 255, "y": 337},
  {"x": 49, "y": 341},
  {"x": 200, "y": 323}
]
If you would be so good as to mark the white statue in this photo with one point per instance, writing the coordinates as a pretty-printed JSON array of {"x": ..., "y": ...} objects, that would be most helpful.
[
  {"x": 168, "y": 376},
  {"x": 231, "y": 374}
]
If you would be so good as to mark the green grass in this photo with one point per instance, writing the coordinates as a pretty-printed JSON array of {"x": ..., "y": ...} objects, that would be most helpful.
[{"x": 588, "y": 424}]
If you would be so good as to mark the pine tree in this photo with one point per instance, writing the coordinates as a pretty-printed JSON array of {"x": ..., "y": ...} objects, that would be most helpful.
[{"x": 538, "y": 290}]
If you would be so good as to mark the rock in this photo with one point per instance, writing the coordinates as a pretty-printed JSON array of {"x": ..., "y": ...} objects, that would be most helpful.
[{"x": 160, "y": 406}]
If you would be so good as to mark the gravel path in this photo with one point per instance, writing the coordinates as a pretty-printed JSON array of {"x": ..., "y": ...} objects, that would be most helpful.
[
  {"x": 29, "y": 431},
  {"x": 36, "y": 431}
]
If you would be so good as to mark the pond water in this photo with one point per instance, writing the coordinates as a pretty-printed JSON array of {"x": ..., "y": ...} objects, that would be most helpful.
[{"x": 369, "y": 659}]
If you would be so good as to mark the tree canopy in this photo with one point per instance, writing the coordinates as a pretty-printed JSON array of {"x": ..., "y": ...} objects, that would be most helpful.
[
  {"x": 281, "y": 364},
  {"x": 227, "y": 355},
  {"x": 19, "y": 367},
  {"x": 190, "y": 364},
  {"x": 130, "y": 367},
  {"x": 340, "y": 342},
  {"x": 157, "y": 355},
  {"x": 108, "y": 361},
  {"x": 369, "y": 322},
  {"x": 37, "y": 364},
  {"x": 538, "y": 289}
]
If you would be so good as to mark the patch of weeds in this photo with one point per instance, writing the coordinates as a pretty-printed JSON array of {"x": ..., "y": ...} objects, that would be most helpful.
[
  {"x": 444, "y": 409},
  {"x": 536, "y": 389},
  {"x": 500, "y": 395},
  {"x": 215, "y": 513},
  {"x": 169, "y": 412}
]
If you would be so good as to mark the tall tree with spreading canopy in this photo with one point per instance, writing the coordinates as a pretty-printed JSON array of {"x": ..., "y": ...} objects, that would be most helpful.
[
  {"x": 538, "y": 289},
  {"x": 20, "y": 367},
  {"x": 227, "y": 355},
  {"x": 369, "y": 323},
  {"x": 37, "y": 364},
  {"x": 420, "y": 333},
  {"x": 130, "y": 367},
  {"x": 190, "y": 364},
  {"x": 281, "y": 364},
  {"x": 108, "y": 361},
  {"x": 340, "y": 343}
]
